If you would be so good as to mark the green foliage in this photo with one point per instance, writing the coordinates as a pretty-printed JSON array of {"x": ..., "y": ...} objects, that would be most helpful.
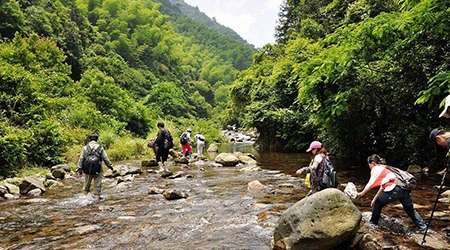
[
  {"x": 13, "y": 150},
  {"x": 12, "y": 18},
  {"x": 46, "y": 143},
  {"x": 166, "y": 98},
  {"x": 126, "y": 148},
  {"x": 356, "y": 83},
  {"x": 68, "y": 68}
]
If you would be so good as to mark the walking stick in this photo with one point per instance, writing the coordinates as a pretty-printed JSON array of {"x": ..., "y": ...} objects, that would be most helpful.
[{"x": 437, "y": 198}]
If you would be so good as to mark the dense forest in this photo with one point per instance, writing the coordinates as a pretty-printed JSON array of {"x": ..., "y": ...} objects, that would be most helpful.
[
  {"x": 116, "y": 67},
  {"x": 363, "y": 76}
]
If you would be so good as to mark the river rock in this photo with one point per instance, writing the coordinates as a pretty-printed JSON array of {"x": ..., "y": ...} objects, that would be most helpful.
[
  {"x": 247, "y": 160},
  {"x": 256, "y": 185},
  {"x": 3, "y": 190},
  {"x": 368, "y": 242},
  {"x": 149, "y": 163},
  {"x": 320, "y": 221},
  {"x": 12, "y": 189},
  {"x": 58, "y": 173},
  {"x": 155, "y": 190},
  {"x": 227, "y": 159},
  {"x": 87, "y": 229},
  {"x": 15, "y": 181},
  {"x": 126, "y": 169},
  {"x": 446, "y": 194},
  {"x": 34, "y": 192},
  {"x": 64, "y": 167},
  {"x": 174, "y": 195},
  {"x": 251, "y": 168},
  {"x": 166, "y": 174},
  {"x": 11, "y": 197},
  {"x": 213, "y": 148},
  {"x": 29, "y": 183},
  {"x": 414, "y": 169},
  {"x": 52, "y": 184},
  {"x": 182, "y": 160}
]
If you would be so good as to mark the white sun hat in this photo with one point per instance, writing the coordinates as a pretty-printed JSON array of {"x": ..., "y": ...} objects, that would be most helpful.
[{"x": 446, "y": 111}]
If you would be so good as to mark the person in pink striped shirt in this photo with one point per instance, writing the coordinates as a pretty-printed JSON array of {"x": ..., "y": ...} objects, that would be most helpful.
[{"x": 383, "y": 178}]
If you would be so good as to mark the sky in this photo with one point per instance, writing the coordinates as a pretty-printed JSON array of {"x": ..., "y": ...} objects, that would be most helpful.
[{"x": 253, "y": 20}]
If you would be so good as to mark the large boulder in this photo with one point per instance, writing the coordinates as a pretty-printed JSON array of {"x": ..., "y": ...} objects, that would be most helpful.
[
  {"x": 64, "y": 167},
  {"x": 320, "y": 221},
  {"x": 58, "y": 173},
  {"x": 29, "y": 183},
  {"x": 227, "y": 159},
  {"x": 12, "y": 189},
  {"x": 247, "y": 160}
]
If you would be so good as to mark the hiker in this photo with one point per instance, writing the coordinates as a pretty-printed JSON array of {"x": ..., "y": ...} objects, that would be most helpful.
[
  {"x": 315, "y": 168},
  {"x": 200, "y": 143},
  {"x": 388, "y": 191},
  {"x": 440, "y": 137},
  {"x": 162, "y": 149},
  {"x": 95, "y": 148},
  {"x": 185, "y": 140}
]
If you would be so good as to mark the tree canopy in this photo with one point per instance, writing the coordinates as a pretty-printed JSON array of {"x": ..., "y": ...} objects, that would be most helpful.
[
  {"x": 72, "y": 67},
  {"x": 354, "y": 74}
]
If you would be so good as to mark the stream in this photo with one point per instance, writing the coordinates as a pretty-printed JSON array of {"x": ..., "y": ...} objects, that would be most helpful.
[{"x": 219, "y": 213}]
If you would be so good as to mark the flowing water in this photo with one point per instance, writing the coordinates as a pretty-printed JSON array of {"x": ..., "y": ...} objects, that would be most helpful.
[{"x": 220, "y": 212}]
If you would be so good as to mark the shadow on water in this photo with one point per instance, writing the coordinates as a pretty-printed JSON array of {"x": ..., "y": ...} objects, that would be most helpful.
[{"x": 220, "y": 212}]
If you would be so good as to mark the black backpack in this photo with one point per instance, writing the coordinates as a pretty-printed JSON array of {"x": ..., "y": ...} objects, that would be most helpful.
[
  {"x": 184, "y": 138},
  {"x": 329, "y": 178},
  {"x": 404, "y": 179},
  {"x": 168, "y": 140},
  {"x": 92, "y": 163}
]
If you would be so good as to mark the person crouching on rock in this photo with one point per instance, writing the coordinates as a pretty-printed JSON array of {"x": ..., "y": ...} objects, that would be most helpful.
[
  {"x": 315, "y": 168},
  {"x": 388, "y": 191}
]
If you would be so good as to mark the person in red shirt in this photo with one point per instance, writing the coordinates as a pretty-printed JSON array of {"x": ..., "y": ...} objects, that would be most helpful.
[{"x": 383, "y": 178}]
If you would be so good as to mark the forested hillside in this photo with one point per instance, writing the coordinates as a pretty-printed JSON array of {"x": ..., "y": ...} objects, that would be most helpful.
[
  {"x": 68, "y": 68},
  {"x": 194, "y": 13},
  {"x": 364, "y": 77}
]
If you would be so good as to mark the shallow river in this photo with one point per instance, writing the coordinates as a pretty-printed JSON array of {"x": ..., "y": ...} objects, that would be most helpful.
[{"x": 220, "y": 212}]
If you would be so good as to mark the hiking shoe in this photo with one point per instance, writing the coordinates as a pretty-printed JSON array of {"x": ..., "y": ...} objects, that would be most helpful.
[{"x": 422, "y": 230}]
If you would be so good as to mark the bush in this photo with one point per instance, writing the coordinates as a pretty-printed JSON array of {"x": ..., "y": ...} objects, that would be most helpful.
[
  {"x": 46, "y": 144},
  {"x": 13, "y": 154},
  {"x": 127, "y": 148}
]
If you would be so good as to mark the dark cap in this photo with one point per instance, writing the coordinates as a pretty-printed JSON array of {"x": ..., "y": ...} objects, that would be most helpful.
[
  {"x": 93, "y": 137},
  {"x": 435, "y": 132}
]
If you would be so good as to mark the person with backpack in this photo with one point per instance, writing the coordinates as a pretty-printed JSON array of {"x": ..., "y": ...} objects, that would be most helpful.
[
  {"x": 90, "y": 163},
  {"x": 316, "y": 167},
  {"x": 441, "y": 138},
  {"x": 382, "y": 177},
  {"x": 164, "y": 142},
  {"x": 185, "y": 140},
  {"x": 200, "y": 143}
]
